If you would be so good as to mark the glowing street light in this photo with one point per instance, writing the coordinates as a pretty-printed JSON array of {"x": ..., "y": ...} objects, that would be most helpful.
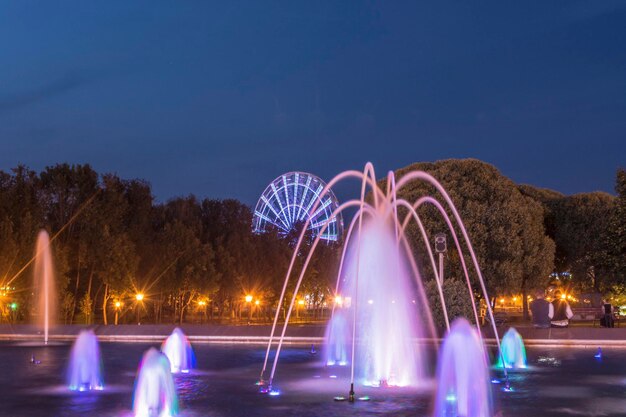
[
  {"x": 118, "y": 305},
  {"x": 338, "y": 300},
  {"x": 257, "y": 302},
  {"x": 139, "y": 298},
  {"x": 248, "y": 299}
]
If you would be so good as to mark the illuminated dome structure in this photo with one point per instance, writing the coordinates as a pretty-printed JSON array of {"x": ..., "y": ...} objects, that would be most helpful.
[{"x": 289, "y": 200}]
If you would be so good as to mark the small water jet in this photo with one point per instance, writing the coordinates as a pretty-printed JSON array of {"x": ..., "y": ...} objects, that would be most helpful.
[
  {"x": 155, "y": 393},
  {"x": 337, "y": 339},
  {"x": 44, "y": 284},
  {"x": 462, "y": 375},
  {"x": 512, "y": 351},
  {"x": 85, "y": 367},
  {"x": 179, "y": 352}
]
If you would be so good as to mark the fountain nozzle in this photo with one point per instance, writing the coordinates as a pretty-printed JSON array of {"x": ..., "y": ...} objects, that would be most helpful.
[
  {"x": 351, "y": 395},
  {"x": 507, "y": 384}
]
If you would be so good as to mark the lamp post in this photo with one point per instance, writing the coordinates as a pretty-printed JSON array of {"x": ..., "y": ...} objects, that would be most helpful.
[
  {"x": 248, "y": 301},
  {"x": 139, "y": 298},
  {"x": 258, "y": 311},
  {"x": 202, "y": 305},
  {"x": 117, "y": 310},
  {"x": 300, "y": 304},
  {"x": 440, "y": 248}
]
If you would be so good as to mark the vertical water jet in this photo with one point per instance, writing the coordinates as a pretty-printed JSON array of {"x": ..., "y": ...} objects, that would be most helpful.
[{"x": 44, "y": 284}]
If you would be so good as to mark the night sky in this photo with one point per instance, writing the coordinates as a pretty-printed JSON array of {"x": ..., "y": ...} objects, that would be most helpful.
[{"x": 218, "y": 98}]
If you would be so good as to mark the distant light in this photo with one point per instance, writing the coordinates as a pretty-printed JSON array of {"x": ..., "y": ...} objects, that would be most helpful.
[
  {"x": 257, "y": 302},
  {"x": 301, "y": 302},
  {"x": 139, "y": 297},
  {"x": 248, "y": 298},
  {"x": 370, "y": 302},
  {"x": 13, "y": 306},
  {"x": 274, "y": 393},
  {"x": 563, "y": 296},
  {"x": 501, "y": 300},
  {"x": 338, "y": 300},
  {"x": 393, "y": 301},
  {"x": 514, "y": 298},
  {"x": 201, "y": 303},
  {"x": 118, "y": 304}
]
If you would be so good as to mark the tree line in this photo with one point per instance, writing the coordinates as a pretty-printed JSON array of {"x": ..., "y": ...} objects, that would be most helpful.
[{"x": 111, "y": 240}]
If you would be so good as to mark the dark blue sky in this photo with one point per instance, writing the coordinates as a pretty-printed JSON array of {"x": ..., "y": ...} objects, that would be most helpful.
[{"x": 218, "y": 98}]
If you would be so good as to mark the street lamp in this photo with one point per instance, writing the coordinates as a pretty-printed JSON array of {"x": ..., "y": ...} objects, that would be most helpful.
[
  {"x": 139, "y": 298},
  {"x": 440, "y": 248},
  {"x": 300, "y": 304},
  {"x": 202, "y": 305},
  {"x": 118, "y": 305},
  {"x": 248, "y": 299}
]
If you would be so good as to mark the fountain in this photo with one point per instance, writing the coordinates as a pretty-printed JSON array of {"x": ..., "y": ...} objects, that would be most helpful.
[
  {"x": 382, "y": 306},
  {"x": 463, "y": 376},
  {"x": 382, "y": 300},
  {"x": 44, "y": 284},
  {"x": 179, "y": 352},
  {"x": 85, "y": 367},
  {"x": 155, "y": 393},
  {"x": 512, "y": 351}
]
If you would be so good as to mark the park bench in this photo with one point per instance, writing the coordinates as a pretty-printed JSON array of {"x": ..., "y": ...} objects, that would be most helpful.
[
  {"x": 587, "y": 313},
  {"x": 593, "y": 314}
]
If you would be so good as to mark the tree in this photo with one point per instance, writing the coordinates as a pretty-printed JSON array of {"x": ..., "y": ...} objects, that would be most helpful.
[
  {"x": 506, "y": 228},
  {"x": 581, "y": 226},
  {"x": 615, "y": 261}
]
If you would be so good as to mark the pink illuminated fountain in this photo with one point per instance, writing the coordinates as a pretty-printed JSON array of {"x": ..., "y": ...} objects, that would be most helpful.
[
  {"x": 44, "y": 284},
  {"x": 384, "y": 311}
]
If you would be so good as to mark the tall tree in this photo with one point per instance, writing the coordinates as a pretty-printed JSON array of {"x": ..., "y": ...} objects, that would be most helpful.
[{"x": 506, "y": 228}]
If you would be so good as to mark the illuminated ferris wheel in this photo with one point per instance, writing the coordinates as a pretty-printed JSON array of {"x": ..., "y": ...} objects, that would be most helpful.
[{"x": 289, "y": 200}]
